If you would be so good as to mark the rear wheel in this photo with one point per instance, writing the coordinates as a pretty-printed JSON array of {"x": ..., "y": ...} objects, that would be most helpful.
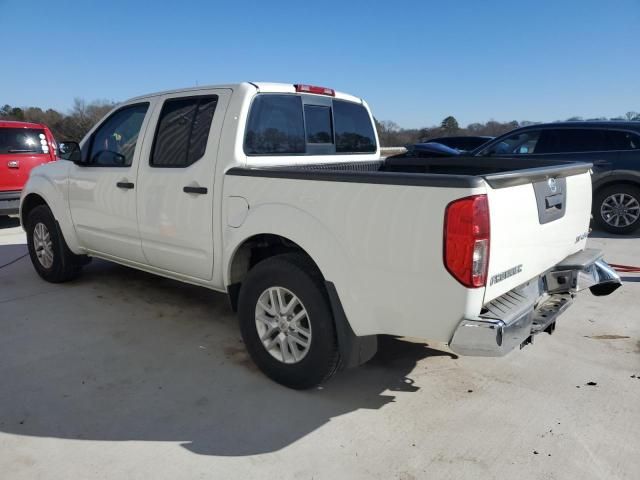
[
  {"x": 286, "y": 322},
  {"x": 617, "y": 208},
  {"x": 49, "y": 253}
]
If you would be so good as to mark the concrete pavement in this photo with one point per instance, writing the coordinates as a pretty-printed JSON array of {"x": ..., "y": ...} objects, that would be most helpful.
[{"x": 121, "y": 374}]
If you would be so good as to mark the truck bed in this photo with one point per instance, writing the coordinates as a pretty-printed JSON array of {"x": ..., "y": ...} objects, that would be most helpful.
[
  {"x": 377, "y": 227},
  {"x": 461, "y": 172}
]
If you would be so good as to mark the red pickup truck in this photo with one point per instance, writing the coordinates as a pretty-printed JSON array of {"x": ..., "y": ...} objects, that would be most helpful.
[{"x": 23, "y": 146}]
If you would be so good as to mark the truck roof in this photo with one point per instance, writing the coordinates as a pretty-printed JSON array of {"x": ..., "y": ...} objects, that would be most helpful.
[
  {"x": 606, "y": 124},
  {"x": 262, "y": 87}
]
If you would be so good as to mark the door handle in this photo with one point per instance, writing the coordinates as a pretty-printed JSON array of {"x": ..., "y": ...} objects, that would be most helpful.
[
  {"x": 196, "y": 190},
  {"x": 125, "y": 185},
  {"x": 601, "y": 162}
]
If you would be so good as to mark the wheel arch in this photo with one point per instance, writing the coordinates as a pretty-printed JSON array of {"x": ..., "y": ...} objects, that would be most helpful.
[
  {"x": 254, "y": 249},
  {"x": 29, "y": 202},
  {"x": 616, "y": 179},
  {"x": 41, "y": 190},
  {"x": 284, "y": 228}
]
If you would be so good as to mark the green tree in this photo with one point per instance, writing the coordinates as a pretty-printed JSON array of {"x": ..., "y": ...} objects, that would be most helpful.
[
  {"x": 450, "y": 125},
  {"x": 16, "y": 113}
]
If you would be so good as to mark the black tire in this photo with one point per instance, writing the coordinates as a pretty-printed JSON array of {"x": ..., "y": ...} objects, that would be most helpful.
[
  {"x": 65, "y": 265},
  {"x": 602, "y": 195},
  {"x": 297, "y": 274}
]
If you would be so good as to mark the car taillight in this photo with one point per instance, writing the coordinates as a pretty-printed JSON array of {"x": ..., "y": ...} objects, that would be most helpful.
[
  {"x": 467, "y": 240},
  {"x": 314, "y": 89}
]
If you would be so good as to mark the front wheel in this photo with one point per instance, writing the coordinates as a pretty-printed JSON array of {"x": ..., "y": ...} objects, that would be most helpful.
[
  {"x": 286, "y": 322},
  {"x": 617, "y": 208},
  {"x": 49, "y": 253}
]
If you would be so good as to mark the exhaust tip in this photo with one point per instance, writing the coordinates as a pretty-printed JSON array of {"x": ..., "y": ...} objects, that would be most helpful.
[{"x": 603, "y": 289}]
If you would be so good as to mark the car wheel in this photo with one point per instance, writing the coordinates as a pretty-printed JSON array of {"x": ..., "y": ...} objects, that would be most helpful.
[
  {"x": 617, "y": 208},
  {"x": 286, "y": 322},
  {"x": 49, "y": 253}
]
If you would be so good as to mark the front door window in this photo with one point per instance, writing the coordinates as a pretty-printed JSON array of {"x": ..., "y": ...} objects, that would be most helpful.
[{"x": 114, "y": 143}]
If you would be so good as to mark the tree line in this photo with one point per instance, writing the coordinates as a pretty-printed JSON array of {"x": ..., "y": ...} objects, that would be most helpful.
[
  {"x": 75, "y": 123},
  {"x": 392, "y": 135},
  {"x": 72, "y": 125}
]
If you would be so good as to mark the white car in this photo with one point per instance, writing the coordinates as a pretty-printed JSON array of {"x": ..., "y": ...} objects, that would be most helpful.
[{"x": 277, "y": 195}]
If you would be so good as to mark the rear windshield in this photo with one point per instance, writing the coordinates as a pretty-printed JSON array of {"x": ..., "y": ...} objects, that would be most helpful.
[
  {"x": 23, "y": 140},
  {"x": 276, "y": 126},
  {"x": 282, "y": 125}
]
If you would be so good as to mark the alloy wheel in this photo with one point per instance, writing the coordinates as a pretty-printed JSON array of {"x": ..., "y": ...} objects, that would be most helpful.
[
  {"x": 42, "y": 245},
  {"x": 620, "y": 210},
  {"x": 283, "y": 325}
]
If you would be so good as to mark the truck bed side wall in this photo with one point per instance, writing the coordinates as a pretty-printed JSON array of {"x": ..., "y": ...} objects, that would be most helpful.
[{"x": 381, "y": 245}]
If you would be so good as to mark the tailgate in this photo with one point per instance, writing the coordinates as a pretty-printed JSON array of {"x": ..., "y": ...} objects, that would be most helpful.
[{"x": 539, "y": 216}]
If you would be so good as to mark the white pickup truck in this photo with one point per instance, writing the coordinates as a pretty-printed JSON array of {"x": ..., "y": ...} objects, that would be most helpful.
[{"x": 277, "y": 195}]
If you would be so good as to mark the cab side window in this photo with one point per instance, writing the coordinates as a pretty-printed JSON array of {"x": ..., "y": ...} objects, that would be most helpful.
[
  {"x": 114, "y": 142},
  {"x": 182, "y": 131}
]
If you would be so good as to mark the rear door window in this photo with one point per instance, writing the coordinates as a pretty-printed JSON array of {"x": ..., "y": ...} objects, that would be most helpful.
[
  {"x": 23, "y": 141},
  {"x": 183, "y": 131},
  {"x": 571, "y": 140}
]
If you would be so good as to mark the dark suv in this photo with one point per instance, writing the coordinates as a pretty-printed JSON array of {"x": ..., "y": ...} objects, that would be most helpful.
[
  {"x": 614, "y": 149},
  {"x": 463, "y": 143}
]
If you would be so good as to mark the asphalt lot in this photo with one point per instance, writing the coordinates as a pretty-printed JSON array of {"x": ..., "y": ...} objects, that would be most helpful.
[{"x": 121, "y": 374}]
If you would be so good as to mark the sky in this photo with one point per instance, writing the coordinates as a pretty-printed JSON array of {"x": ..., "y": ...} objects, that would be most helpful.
[{"x": 415, "y": 62}]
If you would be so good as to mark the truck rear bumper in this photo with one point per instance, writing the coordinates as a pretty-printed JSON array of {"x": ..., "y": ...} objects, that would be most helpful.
[
  {"x": 514, "y": 318},
  {"x": 9, "y": 202}
]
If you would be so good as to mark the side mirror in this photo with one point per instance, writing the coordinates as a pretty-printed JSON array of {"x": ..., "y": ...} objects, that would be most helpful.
[{"x": 70, "y": 151}]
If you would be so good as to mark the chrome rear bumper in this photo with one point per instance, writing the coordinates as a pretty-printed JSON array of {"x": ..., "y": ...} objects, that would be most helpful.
[{"x": 514, "y": 318}]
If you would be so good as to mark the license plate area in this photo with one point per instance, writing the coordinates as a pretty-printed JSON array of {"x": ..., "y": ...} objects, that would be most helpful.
[{"x": 546, "y": 314}]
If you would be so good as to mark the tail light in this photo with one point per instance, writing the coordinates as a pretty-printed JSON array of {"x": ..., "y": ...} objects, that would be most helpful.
[
  {"x": 314, "y": 89},
  {"x": 467, "y": 240}
]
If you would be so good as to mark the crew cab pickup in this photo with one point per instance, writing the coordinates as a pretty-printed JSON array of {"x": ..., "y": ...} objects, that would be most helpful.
[{"x": 276, "y": 194}]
